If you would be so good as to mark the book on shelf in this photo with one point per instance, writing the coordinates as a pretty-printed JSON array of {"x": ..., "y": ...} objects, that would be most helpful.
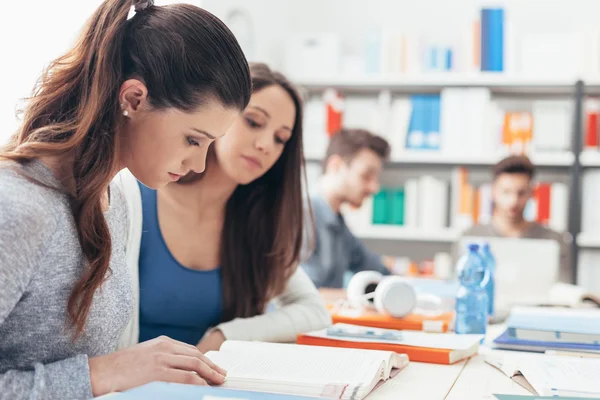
[
  {"x": 291, "y": 369},
  {"x": 472, "y": 204},
  {"x": 437, "y": 348},
  {"x": 430, "y": 204},
  {"x": 458, "y": 122}
]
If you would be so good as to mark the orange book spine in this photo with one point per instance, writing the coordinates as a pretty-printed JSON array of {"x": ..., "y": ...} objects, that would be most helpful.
[
  {"x": 476, "y": 206},
  {"x": 477, "y": 44},
  {"x": 417, "y": 354},
  {"x": 438, "y": 324}
]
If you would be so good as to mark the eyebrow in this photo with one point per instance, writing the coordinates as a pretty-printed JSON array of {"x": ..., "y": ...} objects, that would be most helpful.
[
  {"x": 269, "y": 116},
  {"x": 262, "y": 110},
  {"x": 208, "y": 135}
]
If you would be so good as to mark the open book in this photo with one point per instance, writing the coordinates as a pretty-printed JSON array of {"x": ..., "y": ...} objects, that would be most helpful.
[
  {"x": 545, "y": 375},
  {"x": 563, "y": 294},
  {"x": 305, "y": 370}
]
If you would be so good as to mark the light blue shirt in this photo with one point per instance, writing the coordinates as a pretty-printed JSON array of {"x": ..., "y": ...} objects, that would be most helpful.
[{"x": 337, "y": 250}]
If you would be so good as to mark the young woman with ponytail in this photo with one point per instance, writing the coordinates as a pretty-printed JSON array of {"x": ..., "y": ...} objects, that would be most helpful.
[{"x": 145, "y": 88}]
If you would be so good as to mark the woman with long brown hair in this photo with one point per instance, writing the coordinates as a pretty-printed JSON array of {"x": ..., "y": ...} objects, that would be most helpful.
[
  {"x": 145, "y": 88},
  {"x": 215, "y": 248}
]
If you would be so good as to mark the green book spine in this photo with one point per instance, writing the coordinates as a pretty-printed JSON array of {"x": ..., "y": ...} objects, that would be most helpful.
[
  {"x": 397, "y": 206},
  {"x": 380, "y": 208}
]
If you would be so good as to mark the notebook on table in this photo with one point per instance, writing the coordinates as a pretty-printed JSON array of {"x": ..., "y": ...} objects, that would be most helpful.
[
  {"x": 176, "y": 391},
  {"x": 416, "y": 322},
  {"x": 292, "y": 369}
]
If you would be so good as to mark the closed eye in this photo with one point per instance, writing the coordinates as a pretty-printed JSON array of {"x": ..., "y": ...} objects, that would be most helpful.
[
  {"x": 191, "y": 141},
  {"x": 252, "y": 123}
]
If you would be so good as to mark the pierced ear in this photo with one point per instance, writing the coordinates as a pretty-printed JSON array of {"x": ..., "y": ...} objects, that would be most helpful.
[{"x": 132, "y": 96}]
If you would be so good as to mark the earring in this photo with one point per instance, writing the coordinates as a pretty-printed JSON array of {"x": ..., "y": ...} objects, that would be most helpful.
[{"x": 125, "y": 112}]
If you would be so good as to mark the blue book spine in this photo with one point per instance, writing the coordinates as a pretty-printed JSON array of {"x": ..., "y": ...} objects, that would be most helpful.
[
  {"x": 412, "y": 122},
  {"x": 484, "y": 40},
  {"x": 435, "y": 118},
  {"x": 496, "y": 40},
  {"x": 415, "y": 140},
  {"x": 448, "y": 60},
  {"x": 432, "y": 121},
  {"x": 433, "y": 59}
]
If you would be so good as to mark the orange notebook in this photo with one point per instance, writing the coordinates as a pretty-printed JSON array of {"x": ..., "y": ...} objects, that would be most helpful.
[
  {"x": 459, "y": 348},
  {"x": 415, "y": 322}
]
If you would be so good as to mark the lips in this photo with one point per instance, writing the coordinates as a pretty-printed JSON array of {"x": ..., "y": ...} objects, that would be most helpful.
[
  {"x": 174, "y": 177},
  {"x": 253, "y": 161}
]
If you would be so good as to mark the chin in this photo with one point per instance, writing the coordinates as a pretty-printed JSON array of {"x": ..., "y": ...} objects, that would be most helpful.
[
  {"x": 245, "y": 179},
  {"x": 357, "y": 203}
]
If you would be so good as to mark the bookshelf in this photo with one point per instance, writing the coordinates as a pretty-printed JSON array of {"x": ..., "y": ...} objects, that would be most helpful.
[
  {"x": 556, "y": 159},
  {"x": 390, "y": 232},
  {"x": 590, "y": 159},
  {"x": 588, "y": 240},
  {"x": 434, "y": 82},
  {"x": 503, "y": 88}
]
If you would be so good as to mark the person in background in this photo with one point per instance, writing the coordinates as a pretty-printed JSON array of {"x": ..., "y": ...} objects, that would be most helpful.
[
  {"x": 209, "y": 252},
  {"x": 511, "y": 190},
  {"x": 351, "y": 169},
  {"x": 148, "y": 93}
]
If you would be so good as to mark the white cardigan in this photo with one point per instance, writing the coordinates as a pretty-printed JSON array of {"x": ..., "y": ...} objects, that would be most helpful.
[{"x": 300, "y": 308}]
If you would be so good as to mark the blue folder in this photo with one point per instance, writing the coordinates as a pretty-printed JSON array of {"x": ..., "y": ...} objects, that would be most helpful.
[
  {"x": 505, "y": 341},
  {"x": 175, "y": 391}
]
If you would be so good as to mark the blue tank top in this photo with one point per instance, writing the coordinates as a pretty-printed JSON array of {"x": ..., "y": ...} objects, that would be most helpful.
[{"x": 174, "y": 300}]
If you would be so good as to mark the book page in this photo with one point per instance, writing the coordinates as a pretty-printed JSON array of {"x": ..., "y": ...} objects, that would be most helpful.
[
  {"x": 314, "y": 352},
  {"x": 297, "y": 363},
  {"x": 548, "y": 374},
  {"x": 297, "y": 368}
]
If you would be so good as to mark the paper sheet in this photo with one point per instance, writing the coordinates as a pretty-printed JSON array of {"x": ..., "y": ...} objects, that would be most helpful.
[{"x": 551, "y": 375}]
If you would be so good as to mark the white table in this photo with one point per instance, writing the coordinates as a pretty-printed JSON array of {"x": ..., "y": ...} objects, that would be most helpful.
[{"x": 472, "y": 379}]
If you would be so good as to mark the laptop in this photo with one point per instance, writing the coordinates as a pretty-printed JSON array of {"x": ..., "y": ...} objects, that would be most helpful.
[{"x": 526, "y": 269}]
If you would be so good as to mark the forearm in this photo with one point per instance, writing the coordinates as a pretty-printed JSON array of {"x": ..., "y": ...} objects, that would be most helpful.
[{"x": 65, "y": 379}]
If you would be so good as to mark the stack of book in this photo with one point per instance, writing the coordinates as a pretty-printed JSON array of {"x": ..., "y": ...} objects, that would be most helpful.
[{"x": 538, "y": 329}]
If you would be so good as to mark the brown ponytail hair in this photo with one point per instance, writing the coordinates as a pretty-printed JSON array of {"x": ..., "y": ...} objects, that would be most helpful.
[
  {"x": 262, "y": 236},
  {"x": 182, "y": 53}
]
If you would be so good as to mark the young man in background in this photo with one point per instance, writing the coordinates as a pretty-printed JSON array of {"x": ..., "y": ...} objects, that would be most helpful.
[
  {"x": 351, "y": 170},
  {"x": 511, "y": 190}
]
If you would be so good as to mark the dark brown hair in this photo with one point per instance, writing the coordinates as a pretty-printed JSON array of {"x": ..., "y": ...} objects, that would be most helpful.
[
  {"x": 514, "y": 165},
  {"x": 182, "y": 53},
  {"x": 347, "y": 143},
  {"x": 262, "y": 234}
]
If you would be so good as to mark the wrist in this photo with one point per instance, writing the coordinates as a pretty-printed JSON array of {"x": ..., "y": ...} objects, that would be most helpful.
[{"x": 97, "y": 380}]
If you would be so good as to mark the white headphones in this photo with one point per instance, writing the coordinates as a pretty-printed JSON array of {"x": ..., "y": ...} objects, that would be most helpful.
[{"x": 391, "y": 295}]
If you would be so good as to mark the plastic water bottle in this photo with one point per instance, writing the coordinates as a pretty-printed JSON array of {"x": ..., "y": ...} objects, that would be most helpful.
[
  {"x": 490, "y": 264},
  {"x": 471, "y": 299}
]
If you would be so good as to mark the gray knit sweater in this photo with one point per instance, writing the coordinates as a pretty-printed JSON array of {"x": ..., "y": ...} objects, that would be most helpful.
[{"x": 40, "y": 261}]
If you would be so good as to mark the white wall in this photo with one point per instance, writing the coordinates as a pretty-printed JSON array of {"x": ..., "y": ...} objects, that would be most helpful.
[{"x": 32, "y": 33}]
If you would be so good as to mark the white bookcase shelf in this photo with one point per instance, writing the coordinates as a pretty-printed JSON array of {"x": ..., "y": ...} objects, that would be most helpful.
[
  {"x": 391, "y": 232},
  {"x": 436, "y": 81},
  {"x": 590, "y": 158},
  {"x": 559, "y": 159},
  {"x": 588, "y": 240}
]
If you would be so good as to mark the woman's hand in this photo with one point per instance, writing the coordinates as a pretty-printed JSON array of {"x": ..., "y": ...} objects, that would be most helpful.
[
  {"x": 211, "y": 341},
  {"x": 161, "y": 359}
]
